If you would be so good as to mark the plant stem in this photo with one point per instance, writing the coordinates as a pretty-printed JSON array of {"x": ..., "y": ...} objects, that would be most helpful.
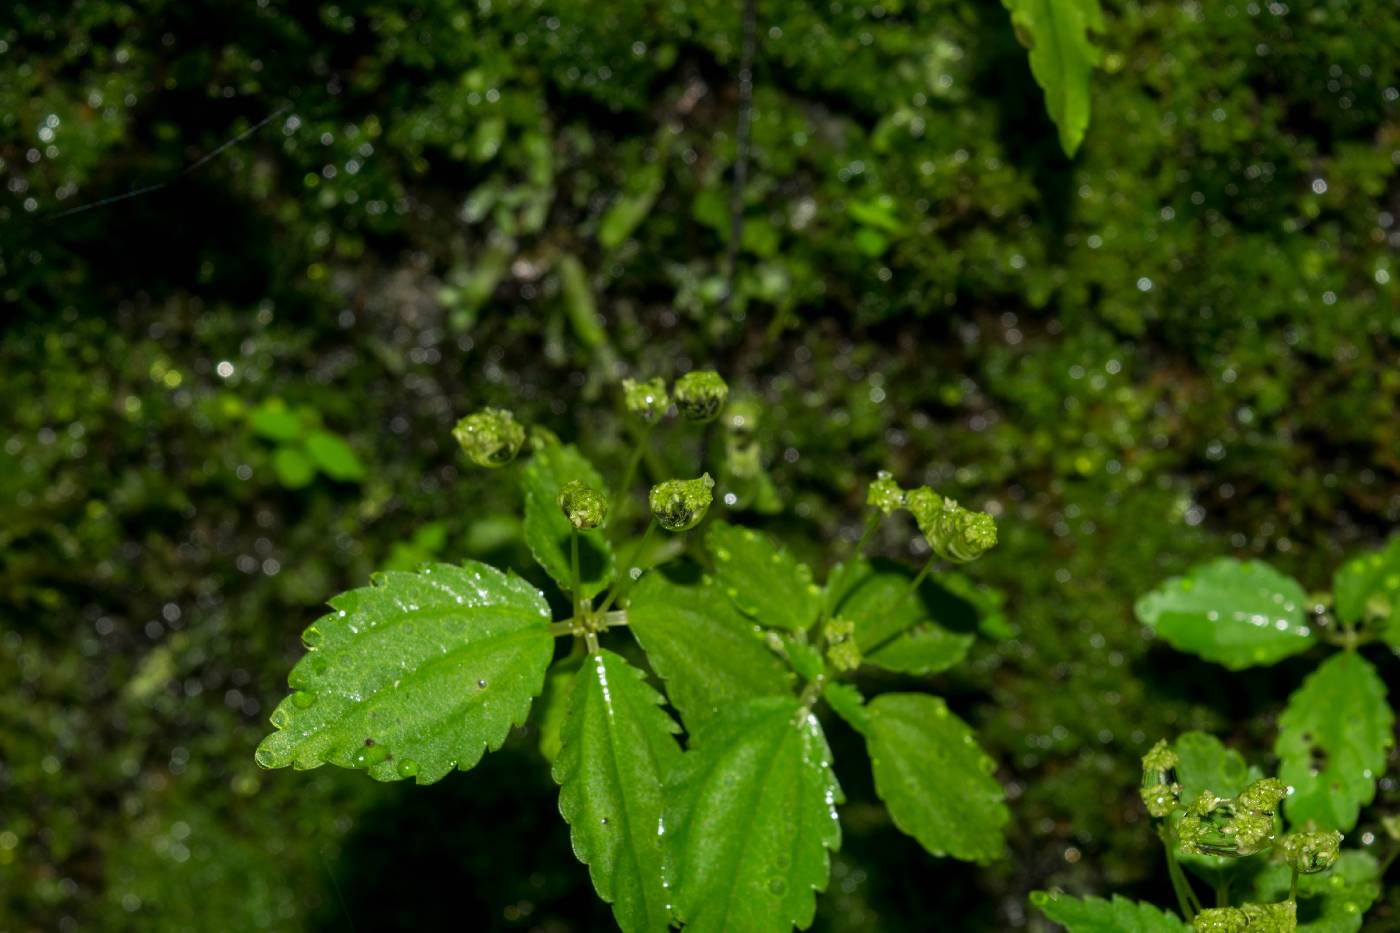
[
  {"x": 575, "y": 576},
  {"x": 619, "y": 498},
  {"x": 871, "y": 524},
  {"x": 1222, "y": 894},
  {"x": 1293, "y": 887},
  {"x": 625, "y": 582},
  {"x": 1185, "y": 897}
]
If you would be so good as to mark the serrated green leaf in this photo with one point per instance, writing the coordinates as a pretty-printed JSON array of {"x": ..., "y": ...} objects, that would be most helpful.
[
  {"x": 751, "y": 816},
  {"x": 1333, "y": 901},
  {"x": 895, "y": 628},
  {"x": 1056, "y": 33},
  {"x": 551, "y": 710},
  {"x": 699, "y": 644},
  {"x": 1204, "y": 763},
  {"x": 618, "y": 745},
  {"x": 548, "y": 532},
  {"x": 1333, "y": 740},
  {"x": 274, "y": 421},
  {"x": 936, "y": 781},
  {"x": 414, "y": 676},
  {"x": 848, "y": 704},
  {"x": 1096, "y": 915},
  {"x": 765, "y": 582},
  {"x": 1371, "y": 580},
  {"x": 334, "y": 457},
  {"x": 1236, "y": 613},
  {"x": 294, "y": 469}
]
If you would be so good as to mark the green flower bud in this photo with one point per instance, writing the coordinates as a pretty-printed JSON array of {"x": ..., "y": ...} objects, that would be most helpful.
[
  {"x": 700, "y": 394},
  {"x": 842, "y": 650},
  {"x": 1251, "y": 918},
  {"x": 584, "y": 506},
  {"x": 1263, "y": 796},
  {"x": 885, "y": 493},
  {"x": 1234, "y": 827},
  {"x": 490, "y": 437},
  {"x": 680, "y": 504},
  {"x": 956, "y": 534},
  {"x": 1161, "y": 799},
  {"x": 1312, "y": 852},
  {"x": 1160, "y": 758},
  {"x": 647, "y": 400}
]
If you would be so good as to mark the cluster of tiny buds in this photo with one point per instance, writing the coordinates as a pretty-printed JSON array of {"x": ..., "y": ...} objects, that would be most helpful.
[
  {"x": 699, "y": 396},
  {"x": 956, "y": 534}
]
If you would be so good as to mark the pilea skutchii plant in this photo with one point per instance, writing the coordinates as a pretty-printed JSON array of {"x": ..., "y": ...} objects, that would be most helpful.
[
  {"x": 1223, "y": 821},
  {"x": 422, "y": 672}
]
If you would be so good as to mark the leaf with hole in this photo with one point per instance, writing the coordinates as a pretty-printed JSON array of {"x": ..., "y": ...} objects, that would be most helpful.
[
  {"x": 1062, "y": 57},
  {"x": 1334, "y": 738},
  {"x": 414, "y": 676}
]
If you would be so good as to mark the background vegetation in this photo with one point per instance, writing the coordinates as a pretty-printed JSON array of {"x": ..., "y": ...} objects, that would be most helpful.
[{"x": 1178, "y": 345}]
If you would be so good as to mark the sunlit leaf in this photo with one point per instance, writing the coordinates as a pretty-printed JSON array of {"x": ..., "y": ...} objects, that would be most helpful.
[
  {"x": 751, "y": 815},
  {"x": 334, "y": 457},
  {"x": 414, "y": 676},
  {"x": 766, "y": 582},
  {"x": 547, "y": 531},
  {"x": 1096, "y": 915},
  {"x": 1062, "y": 58},
  {"x": 618, "y": 745},
  {"x": 274, "y": 421},
  {"x": 294, "y": 469},
  {"x": 1334, "y": 737},
  {"x": 698, "y": 643},
  {"x": 1236, "y": 613},
  {"x": 936, "y": 781}
]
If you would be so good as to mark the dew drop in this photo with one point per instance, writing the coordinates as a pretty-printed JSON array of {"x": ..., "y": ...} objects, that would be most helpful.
[
  {"x": 303, "y": 699},
  {"x": 776, "y": 886},
  {"x": 408, "y": 768}
]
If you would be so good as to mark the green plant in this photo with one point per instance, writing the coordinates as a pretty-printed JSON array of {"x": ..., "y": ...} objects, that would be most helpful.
[
  {"x": 1222, "y": 820},
  {"x": 301, "y": 447},
  {"x": 1225, "y": 821},
  {"x": 422, "y": 672}
]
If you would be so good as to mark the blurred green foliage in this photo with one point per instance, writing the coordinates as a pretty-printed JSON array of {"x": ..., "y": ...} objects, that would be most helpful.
[{"x": 1179, "y": 345}]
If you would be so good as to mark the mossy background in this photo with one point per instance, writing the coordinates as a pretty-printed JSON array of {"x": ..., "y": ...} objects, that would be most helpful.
[{"x": 1181, "y": 344}]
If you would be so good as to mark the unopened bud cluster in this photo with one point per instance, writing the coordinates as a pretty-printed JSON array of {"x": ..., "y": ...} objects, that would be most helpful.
[
  {"x": 699, "y": 396},
  {"x": 490, "y": 437},
  {"x": 680, "y": 504}
]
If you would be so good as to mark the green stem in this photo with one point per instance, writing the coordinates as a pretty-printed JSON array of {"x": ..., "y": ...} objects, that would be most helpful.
[
  {"x": 1185, "y": 897},
  {"x": 1293, "y": 887},
  {"x": 625, "y": 581},
  {"x": 619, "y": 498},
  {"x": 870, "y": 525},
  {"x": 1222, "y": 893},
  {"x": 913, "y": 587},
  {"x": 575, "y": 577}
]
